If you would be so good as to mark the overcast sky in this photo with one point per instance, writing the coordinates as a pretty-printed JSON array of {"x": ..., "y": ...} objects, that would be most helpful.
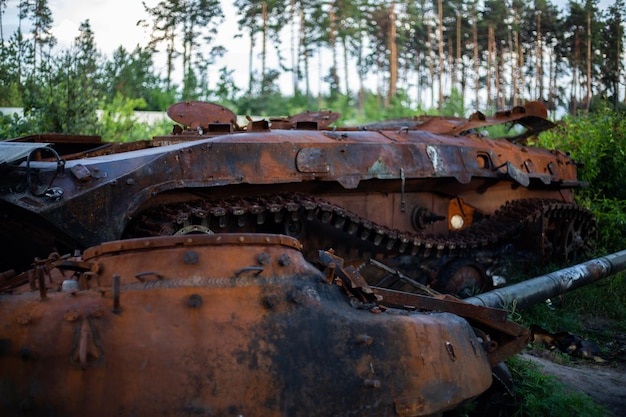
[{"x": 114, "y": 22}]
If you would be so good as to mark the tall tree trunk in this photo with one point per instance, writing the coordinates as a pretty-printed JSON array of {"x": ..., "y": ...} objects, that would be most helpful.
[
  {"x": 393, "y": 56},
  {"x": 463, "y": 80},
  {"x": 431, "y": 66},
  {"x": 264, "y": 50},
  {"x": 418, "y": 74},
  {"x": 457, "y": 64},
  {"x": 186, "y": 54},
  {"x": 251, "y": 56},
  {"x": 250, "y": 60},
  {"x": 294, "y": 46},
  {"x": 588, "y": 59},
  {"x": 333, "y": 47},
  {"x": 170, "y": 60},
  {"x": 35, "y": 34},
  {"x": 617, "y": 64},
  {"x": 346, "y": 74},
  {"x": 512, "y": 51},
  {"x": 379, "y": 80},
  {"x": 451, "y": 63},
  {"x": 522, "y": 63},
  {"x": 20, "y": 49},
  {"x": 552, "y": 81},
  {"x": 406, "y": 73},
  {"x": 305, "y": 55},
  {"x": 1, "y": 22},
  {"x": 489, "y": 63},
  {"x": 360, "y": 65},
  {"x": 500, "y": 76},
  {"x": 475, "y": 36},
  {"x": 516, "y": 61},
  {"x": 539, "y": 63},
  {"x": 575, "y": 72},
  {"x": 440, "y": 15},
  {"x": 319, "y": 79}
]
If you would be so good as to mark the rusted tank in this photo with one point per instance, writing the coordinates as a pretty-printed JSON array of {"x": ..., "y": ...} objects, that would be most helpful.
[
  {"x": 434, "y": 199},
  {"x": 236, "y": 325}
]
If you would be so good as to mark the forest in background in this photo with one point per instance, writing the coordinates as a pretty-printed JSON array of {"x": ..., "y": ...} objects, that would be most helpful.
[{"x": 449, "y": 58}]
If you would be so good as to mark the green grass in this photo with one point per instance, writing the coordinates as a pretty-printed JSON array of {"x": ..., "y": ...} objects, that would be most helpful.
[
  {"x": 604, "y": 299},
  {"x": 542, "y": 395}
]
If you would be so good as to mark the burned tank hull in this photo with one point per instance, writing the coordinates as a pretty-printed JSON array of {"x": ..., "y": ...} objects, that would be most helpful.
[
  {"x": 436, "y": 199},
  {"x": 231, "y": 325}
]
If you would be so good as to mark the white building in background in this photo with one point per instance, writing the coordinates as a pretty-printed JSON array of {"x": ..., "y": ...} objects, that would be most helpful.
[{"x": 10, "y": 110}]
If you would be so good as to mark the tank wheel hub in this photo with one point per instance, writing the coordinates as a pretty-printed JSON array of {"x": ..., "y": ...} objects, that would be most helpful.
[
  {"x": 194, "y": 229},
  {"x": 568, "y": 233},
  {"x": 464, "y": 278}
]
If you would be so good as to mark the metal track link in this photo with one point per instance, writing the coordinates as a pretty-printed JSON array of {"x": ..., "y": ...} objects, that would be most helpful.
[{"x": 289, "y": 212}]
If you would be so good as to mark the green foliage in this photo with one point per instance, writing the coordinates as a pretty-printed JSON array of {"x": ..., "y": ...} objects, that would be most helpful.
[
  {"x": 10, "y": 85},
  {"x": 610, "y": 213},
  {"x": 374, "y": 110},
  {"x": 10, "y": 95},
  {"x": 265, "y": 98},
  {"x": 598, "y": 142},
  {"x": 118, "y": 123},
  {"x": 13, "y": 126},
  {"x": 132, "y": 75},
  {"x": 160, "y": 128},
  {"x": 454, "y": 104},
  {"x": 340, "y": 103},
  {"x": 61, "y": 100},
  {"x": 542, "y": 395},
  {"x": 226, "y": 91}
]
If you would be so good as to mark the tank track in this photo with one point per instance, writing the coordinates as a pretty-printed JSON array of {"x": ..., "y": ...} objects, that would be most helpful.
[{"x": 559, "y": 230}]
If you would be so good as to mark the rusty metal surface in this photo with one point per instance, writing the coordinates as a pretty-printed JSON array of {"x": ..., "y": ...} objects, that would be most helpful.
[
  {"x": 505, "y": 338},
  {"x": 322, "y": 119},
  {"x": 532, "y": 115},
  {"x": 195, "y": 114},
  {"x": 383, "y": 193},
  {"x": 499, "y": 337},
  {"x": 223, "y": 325},
  {"x": 134, "y": 177}
]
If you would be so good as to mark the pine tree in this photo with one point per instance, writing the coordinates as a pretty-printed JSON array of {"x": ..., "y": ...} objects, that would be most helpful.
[{"x": 612, "y": 41}]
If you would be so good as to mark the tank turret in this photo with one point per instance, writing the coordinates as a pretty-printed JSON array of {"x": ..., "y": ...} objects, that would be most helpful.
[{"x": 235, "y": 324}]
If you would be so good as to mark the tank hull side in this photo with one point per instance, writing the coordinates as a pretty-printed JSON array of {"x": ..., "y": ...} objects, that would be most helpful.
[{"x": 115, "y": 187}]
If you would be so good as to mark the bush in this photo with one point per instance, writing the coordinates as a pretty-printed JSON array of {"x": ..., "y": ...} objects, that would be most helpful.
[
  {"x": 598, "y": 142},
  {"x": 117, "y": 122},
  {"x": 13, "y": 126}
]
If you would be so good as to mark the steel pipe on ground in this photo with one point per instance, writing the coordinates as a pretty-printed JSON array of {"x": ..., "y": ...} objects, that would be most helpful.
[{"x": 541, "y": 288}]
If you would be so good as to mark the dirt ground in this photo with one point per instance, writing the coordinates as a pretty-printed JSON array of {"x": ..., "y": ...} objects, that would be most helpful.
[
  {"x": 606, "y": 384},
  {"x": 604, "y": 381}
]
